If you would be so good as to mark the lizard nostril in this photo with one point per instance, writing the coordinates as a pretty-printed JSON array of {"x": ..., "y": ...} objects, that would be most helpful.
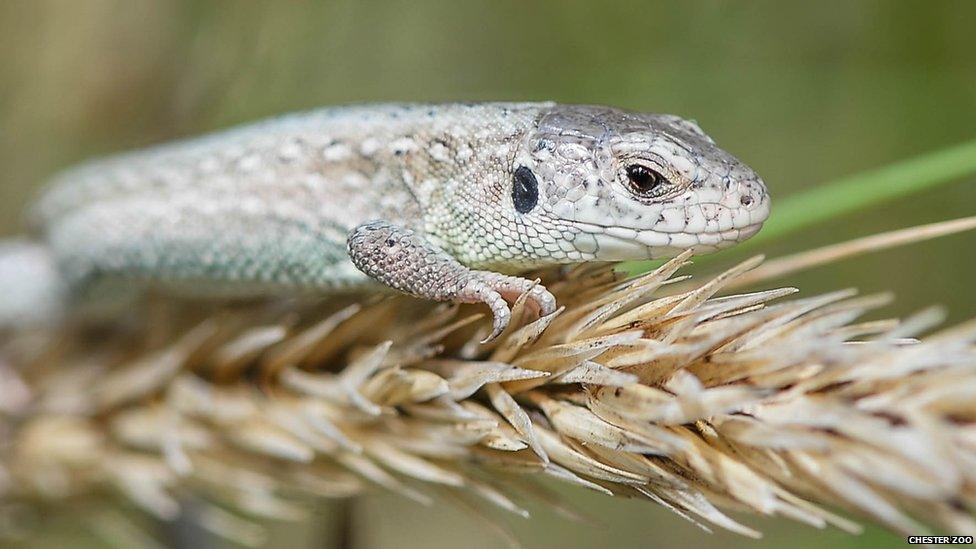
[{"x": 746, "y": 200}]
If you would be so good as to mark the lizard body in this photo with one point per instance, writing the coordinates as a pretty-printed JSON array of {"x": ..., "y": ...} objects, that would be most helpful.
[{"x": 444, "y": 202}]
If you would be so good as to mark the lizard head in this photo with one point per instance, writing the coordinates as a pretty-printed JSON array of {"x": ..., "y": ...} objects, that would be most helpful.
[{"x": 596, "y": 183}]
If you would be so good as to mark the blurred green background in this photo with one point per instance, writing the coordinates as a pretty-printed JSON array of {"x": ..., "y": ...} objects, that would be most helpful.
[{"x": 804, "y": 92}]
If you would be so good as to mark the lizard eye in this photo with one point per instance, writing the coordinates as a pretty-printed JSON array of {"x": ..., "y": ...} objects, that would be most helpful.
[{"x": 646, "y": 182}]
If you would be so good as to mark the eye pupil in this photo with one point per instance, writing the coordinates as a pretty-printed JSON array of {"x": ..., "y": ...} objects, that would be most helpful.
[{"x": 644, "y": 178}]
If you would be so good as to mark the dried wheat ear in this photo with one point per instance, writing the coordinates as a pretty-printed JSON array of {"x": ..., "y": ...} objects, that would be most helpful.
[{"x": 649, "y": 387}]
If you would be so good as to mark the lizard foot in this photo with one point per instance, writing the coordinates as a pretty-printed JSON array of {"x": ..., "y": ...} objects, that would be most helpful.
[
  {"x": 493, "y": 289},
  {"x": 406, "y": 261}
]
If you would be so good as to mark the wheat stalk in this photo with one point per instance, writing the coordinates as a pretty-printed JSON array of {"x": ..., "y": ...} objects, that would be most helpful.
[{"x": 639, "y": 387}]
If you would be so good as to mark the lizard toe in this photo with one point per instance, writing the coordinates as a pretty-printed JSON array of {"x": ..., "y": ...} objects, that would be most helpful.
[
  {"x": 501, "y": 315},
  {"x": 544, "y": 300},
  {"x": 512, "y": 287},
  {"x": 479, "y": 291}
]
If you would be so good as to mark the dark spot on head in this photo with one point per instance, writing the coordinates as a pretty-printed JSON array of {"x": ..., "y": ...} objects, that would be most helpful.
[
  {"x": 525, "y": 190},
  {"x": 390, "y": 242},
  {"x": 544, "y": 144},
  {"x": 746, "y": 200}
]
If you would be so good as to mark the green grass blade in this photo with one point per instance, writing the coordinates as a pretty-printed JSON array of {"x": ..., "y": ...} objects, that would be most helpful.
[{"x": 867, "y": 189}]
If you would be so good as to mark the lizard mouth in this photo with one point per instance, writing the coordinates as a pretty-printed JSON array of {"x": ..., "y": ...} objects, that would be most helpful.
[
  {"x": 625, "y": 244},
  {"x": 708, "y": 228}
]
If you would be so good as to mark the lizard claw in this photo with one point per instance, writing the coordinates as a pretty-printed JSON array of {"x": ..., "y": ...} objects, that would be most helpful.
[{"x": 493, "y": 288}]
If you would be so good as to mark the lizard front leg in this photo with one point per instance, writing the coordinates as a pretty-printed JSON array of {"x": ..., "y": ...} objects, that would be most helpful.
[{"x": 407, "y": 262}]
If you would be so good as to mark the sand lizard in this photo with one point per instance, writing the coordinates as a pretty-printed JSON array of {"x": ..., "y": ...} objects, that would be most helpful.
[{"x": 444, "y": 202}]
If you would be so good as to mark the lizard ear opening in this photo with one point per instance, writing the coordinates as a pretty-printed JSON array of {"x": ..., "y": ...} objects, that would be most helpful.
[{"x": 525, "y": 190}]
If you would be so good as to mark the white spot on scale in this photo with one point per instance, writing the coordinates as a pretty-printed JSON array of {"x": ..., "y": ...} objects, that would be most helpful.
[
  {"x": 290, "y": 151},
  {"x": 427, "y": 187},
  {"x": 336, "y": 153},
  {"x": 439, "y": 152},
  {"x": 502, "y": 151},
  {"x": 352, "y": 180},
  {"x": 313, "y": 181},
  {"x": 403, "y": 145},
  {"x": 369, "y": 146}
]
